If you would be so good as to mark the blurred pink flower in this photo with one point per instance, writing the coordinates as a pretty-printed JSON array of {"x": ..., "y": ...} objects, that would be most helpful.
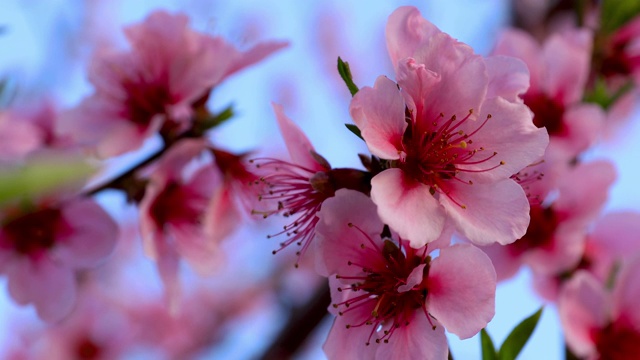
[
  {"x": 155, "y": 86},
  {"x": 299, "y": 188},
  {"x": 391, "y": 300},
  {"x": 454, "y": 130},
  {"x": 18, "y": 137},
  {"x": 42, "y": 247},
  {"x": 172, "y": 213},
  {"x": 602, "y": 324},
  {"x": 556, "y": 236},
  {"x": 559, "y": 72},
  {"x": 622, "y": 52}
]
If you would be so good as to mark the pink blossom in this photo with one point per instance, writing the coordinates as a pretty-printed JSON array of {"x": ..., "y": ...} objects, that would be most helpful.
[
  {"x": 392, "y": 300},
  {"x": 42, "y": 246},
  {"x": 154, "y": 86},
  {"x": 556, "y": 236},
  {"x": 18, "y": 137},
  {"x": 622, "y": 52},
  {"x": 612, "y": 243},
  {"x": 453, "y": 131},
  {"x": 172, "y": 213},
  {"x": 599, "y": 324},
  {"x": 298, "y": 188},
  {"x": 559, "y": 72}
]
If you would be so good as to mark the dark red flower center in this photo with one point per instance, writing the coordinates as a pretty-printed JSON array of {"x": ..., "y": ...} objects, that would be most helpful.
[
  {"x": 87, "y": 349},
  {"x": 378, "y": 287},
  {"x": 542, "y": 226},
  {"x": 616, "y": 342},
  {"x": 547, "y": 112},
  {"x": 438, "y": 151},
  {"x": 34, "y": 232},
  {"x": 145, "y": 100},
  {"x": 177, "y": 204}
]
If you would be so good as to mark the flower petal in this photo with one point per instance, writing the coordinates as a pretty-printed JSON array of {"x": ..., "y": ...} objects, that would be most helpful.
[
  {"x": 337, "y": 241},
  {"x": 508, "y": 77},
  {"x": 461, "y": 289},
  {"x": 406, "y": 31},
  {"x": 299, "y": 146},
  {"x": 379, "y": 112},
  {"x": 418, "y": 340},
  {"x": 407, "y": 207},
  {"x": 92, "y": 238},
  {"x": 582, "y": 307},
  {"x": 497, "y": 212}
]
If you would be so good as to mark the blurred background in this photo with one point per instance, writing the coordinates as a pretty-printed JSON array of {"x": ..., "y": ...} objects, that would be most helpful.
[{"x": 45, "y": 50}]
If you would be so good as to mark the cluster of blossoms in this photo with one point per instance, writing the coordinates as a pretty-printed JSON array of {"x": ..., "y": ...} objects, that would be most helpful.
[{"x": 477, "y": 167}]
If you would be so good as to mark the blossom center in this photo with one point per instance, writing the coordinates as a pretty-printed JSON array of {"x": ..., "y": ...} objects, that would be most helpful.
[
  {"x": 383, "y": 294},
  {"x": 441, "y": 151},
  {"x": 176, "y": 204},
  {"x": 617, "y": 342},
  {"x": 35, "y": 232},
  {"x": 547, "y": 113},
  {"x": 542, "y": 226}
]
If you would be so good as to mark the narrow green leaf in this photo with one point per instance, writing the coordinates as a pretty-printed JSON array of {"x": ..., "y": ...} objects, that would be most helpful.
[
  {"x": 38, "y": 178},
  {"x": 616, "y": 13},
  {"x": 354, "y": 129},
  {"x": 488, "y": 349},
  {"x": 345, "y": 74},
  {"x": 224, "y": 115},
  {"x": 519, "y": 337}
]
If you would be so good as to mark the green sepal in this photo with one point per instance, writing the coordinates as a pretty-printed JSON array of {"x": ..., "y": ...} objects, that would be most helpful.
[
  {"x": 614, "y": 14},
  {"x": 345, "y": 74},
  {"x": 354, "y": 129}
]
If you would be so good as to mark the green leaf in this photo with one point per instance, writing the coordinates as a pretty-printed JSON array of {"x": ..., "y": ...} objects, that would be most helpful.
[
  {"x": 519, "y": 337},
  {"x": 39, "y": 178},
  {"x": 601, "y": 94},
  {"x": 616, "y": 13},
  {"x": 488, "y": 349},
  {"x": 345, "y": 74},
  {"x": 354, "y": 129}
]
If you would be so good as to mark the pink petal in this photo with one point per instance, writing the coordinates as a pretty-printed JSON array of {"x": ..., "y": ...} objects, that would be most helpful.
[
  {"x": 222, "y": 216},
  {"x": 464, "y": 78},
  {"x": 49, "y": 286},
  {"x": 379, "y": 112},
  {"x": 337, "y": 243},
  {"x": 93, "y": 235},
  {"x": 413, "y": 279},
  {"x": 505, "y": 262},
  {"x": 197, "y": 249},
  {"x": 254, "y": 55},
  {"x": 407, "y": 207},
  {"x": 593, "y": 178},
  {"x": 613, "y": 239},
  {"x": 418, "y": 340},
  {"x": 582, "y": 307},
  {"x": 511, "y": 134},
  {"x": 170, "y": 165},
  {"x": 584, "y": 124},
  {"x": 343, "y": 343},
  {"x": 508, "y": 77},
  {"x": 503, "y": 221},
  {"x": 300, "y": 149},
  {"x": 406, "y": 31},
  {"x": 567, "y": 59},
  {"x": 627, "y": 292},
  {"x": 461, "y": 289},
  {"x": 521, "y": 45}
]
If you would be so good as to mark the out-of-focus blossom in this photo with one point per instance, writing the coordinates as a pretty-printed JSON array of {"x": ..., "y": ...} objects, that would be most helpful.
[
  {"x": 299, "y": 188},
  {"x": 556, "y": 236},
  {"x": 454, "y": 130},
  {"x": 622, "y": 52},
  {"x": 391, "y": 300},
  {"x": 559, "y": 72},
  {"x": 172, "y": 213},
  {"x": 43, "y": 244},
  {"x": 18, "y": 137},
  {"x": 602, "y": 324},
  {"x": 154, "y": 86}
]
